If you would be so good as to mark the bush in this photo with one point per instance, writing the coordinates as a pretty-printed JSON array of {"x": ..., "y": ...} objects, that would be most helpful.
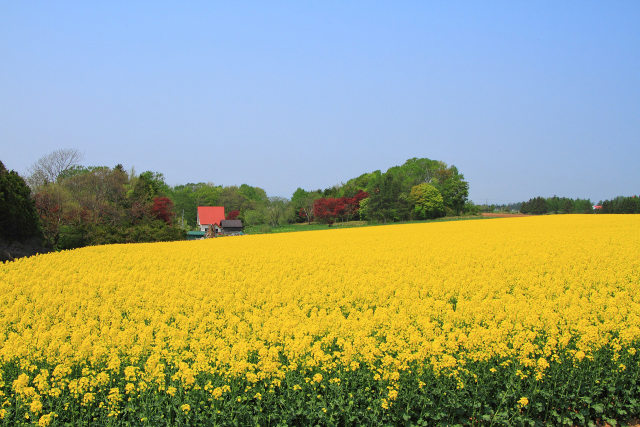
[{"x": 71, "y": 237}]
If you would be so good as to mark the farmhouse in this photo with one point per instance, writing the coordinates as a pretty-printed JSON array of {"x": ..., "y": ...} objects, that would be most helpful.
[{"x": 209, "y": 218}]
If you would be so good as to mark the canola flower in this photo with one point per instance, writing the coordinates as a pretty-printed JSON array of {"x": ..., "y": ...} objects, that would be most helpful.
[{"x": 233, "y": 321}]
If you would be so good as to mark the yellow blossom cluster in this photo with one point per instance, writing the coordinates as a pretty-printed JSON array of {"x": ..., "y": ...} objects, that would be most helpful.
[{"x": 520, "y": 290}]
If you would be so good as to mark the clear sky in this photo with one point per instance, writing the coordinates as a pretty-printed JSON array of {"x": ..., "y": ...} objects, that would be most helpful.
[{"x": 526, "y": 98}]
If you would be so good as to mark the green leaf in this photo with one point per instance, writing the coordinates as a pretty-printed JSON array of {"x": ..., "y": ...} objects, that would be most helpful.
[{"x": 598, "y": 407}]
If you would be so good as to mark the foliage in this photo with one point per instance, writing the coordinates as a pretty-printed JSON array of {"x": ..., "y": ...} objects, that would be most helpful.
[
  {"x": 278, "y": 211},
  {"x": 454, "y": 190},
  {"x": 243, "y": 199},
  {"x": 233, "y": 215},
  {"x": 535, "y": 206},
  {"x": 163, "y": 209},
  {"x": 327, "y": 210},
  {"x": 18, "y": 216},
  {"x": 621, "y": 205},
  {"x": 255, "y": 217},
  {"x": 302, "y": 202},
  {"x": 387, "y": 202},
  {"x": 506, "y": 208},
  {"x": 55, "y": 209},
  {"x": 96, "y": 205},
  {"x": 528, "y": 322},
  {"x": 471, "y": 208},
  {"x": 147, "y": 186},
  {"x": 389, "y": 192},
  {"x": 555, "y": 205},
  {"x": 427, "y": 201}
]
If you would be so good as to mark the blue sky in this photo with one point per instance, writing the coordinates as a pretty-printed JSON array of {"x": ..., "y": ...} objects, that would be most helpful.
[{"x": 525, "y": 98}]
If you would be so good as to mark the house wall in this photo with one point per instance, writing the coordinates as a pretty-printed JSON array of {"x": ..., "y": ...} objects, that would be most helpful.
[{"x": 232, "y": 229}]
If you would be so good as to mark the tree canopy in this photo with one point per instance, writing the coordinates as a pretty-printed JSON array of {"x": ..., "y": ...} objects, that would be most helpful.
[{"x": 18, "y": 217}]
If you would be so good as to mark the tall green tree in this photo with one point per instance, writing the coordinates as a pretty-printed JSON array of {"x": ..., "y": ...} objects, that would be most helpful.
[
  {"x": 387, "y": 202},
  {"x": 454, "y": 190},
  {"x": 535, "y": 206},
  {"x": 18, "y": 216}
]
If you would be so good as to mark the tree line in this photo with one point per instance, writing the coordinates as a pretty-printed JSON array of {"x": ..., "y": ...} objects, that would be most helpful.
[
  {"x": 71, "y": 205},
  {"x": 564, "y": 205},
  {"x": 421, "y": 188},
  {"x": 556, "y": 205}
]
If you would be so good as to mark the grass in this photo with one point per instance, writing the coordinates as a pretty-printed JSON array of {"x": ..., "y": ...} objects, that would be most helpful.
[{"x": 265, "y": 229}]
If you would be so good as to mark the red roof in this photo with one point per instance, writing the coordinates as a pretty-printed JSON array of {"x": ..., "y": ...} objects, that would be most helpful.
[{"x": 208, "y": 215}]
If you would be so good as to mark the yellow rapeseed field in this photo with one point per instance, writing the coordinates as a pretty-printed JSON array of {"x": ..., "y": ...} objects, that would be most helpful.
[{"x": 233, "y": 320}]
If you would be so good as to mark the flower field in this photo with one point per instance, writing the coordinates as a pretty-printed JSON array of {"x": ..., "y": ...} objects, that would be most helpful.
[{"x": 508, "y": 321}]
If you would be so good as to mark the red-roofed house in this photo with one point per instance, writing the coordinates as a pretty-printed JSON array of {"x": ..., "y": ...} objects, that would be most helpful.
[{"x": 209, "y": 217}]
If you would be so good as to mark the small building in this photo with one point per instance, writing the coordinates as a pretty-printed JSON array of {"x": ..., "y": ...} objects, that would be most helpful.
[
  {"x": 195, "y": 235},
  {"x": 209, "y": 218},
  {"x": 231, "y": 226}
]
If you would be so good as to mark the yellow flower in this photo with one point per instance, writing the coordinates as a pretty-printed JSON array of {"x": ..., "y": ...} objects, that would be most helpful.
[
  {"x": 523, "y": 402},
  {"x": 36, "y": 406},
  {"x": 449, "y": 295},
  {"x": 88, "y": 398},
  {"x": 46, "y": 419},
  {"x": 185, "y": 408}
]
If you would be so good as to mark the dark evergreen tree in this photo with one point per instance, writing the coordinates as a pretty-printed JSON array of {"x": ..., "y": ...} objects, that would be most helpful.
[{"x": 18, "y": 217}]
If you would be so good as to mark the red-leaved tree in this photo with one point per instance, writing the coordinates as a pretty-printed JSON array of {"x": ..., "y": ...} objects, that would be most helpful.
[
  {"x": 233, "y": 215},
  {"x": 328, "y": 209},
  {"x": 352, "y": 204},
  {"x": 163, "y": 209}
]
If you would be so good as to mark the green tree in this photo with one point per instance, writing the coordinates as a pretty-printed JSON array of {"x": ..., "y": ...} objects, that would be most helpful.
[
  {"x": 302, "y": 201},
  {"x": 255, "y": 216},
  {"x": 255, "y": 194},
  {"x": 186, "y": 199},
  {"x": 583, "y": 206},
  {"x": 18, "y": 216},
  {"x": 147, "y": 186},
  {"x": 232, "y": 199},
  {"x": 427, "y": 201},
  {"x": 535, "y": 206},
  {"x": 279, "y": 211},
  {"x": 387, "y": 201},
  {"x": 454, "y": 190}
]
